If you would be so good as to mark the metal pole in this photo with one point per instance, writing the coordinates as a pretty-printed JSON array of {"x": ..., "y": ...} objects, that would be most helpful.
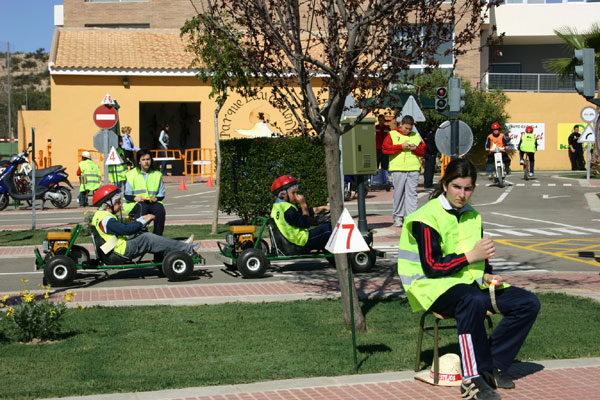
[
  {"x": 362, "y": 213},
  {"x": 33, "y": 183},
  {"x": 106, "y": 132},
  {"x": 10, "y": 133},
  {"x": 589, "y": 159},
  {"x": 350, "y": 285}
]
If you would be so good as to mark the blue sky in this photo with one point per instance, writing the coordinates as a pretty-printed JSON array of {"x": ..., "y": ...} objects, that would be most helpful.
[{"x": 27, "y": 24}]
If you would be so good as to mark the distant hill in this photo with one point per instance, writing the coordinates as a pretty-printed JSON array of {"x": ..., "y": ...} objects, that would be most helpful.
[{"x": 29, "y": 86}]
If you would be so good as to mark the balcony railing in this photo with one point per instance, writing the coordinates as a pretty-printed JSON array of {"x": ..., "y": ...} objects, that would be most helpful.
[{"x": 527, "y": 82}]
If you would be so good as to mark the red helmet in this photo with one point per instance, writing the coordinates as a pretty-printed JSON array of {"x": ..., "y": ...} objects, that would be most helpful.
[
  {"x": 529, "y": 129},
  {"x": 104, "y": 194},
  {"x": 282, "y": 183},
  {"x": 495, "y": 126}
]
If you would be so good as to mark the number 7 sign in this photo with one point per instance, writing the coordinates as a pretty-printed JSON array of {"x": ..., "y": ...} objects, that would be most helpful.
[{"x": 345, "y": 237}]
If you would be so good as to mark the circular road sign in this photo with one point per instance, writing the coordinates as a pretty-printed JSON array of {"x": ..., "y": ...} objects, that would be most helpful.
[
  {"x": 588, "y": 114},
  {"x": 443, "y": 136},
  {"x": 105, "y": 117}
]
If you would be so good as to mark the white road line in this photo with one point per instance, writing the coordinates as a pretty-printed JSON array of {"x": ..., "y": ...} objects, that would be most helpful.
[
  {"x": 542, "y": 232},
  {"x": 552, "y": 184},
  {"x": 589, "y": 229},
  {"x": 520, "y": 184},
  {"x": 494, "y": 224},
  {"x": 567, "y": 184},
  {"x": 511, "y": 232},
  {"x": 499, "y": 200},
  {"x": 536, "y": 184},
  {"x": 569, "y": 231},
  {"x": 532, "y": 219},
  {"x": 193, "y": 194}
]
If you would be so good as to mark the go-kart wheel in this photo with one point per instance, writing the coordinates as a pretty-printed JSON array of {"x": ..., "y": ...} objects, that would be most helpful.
[
  {"x": 60, "y": 271},
  {"x": 178, "y": 266},
  {"x": 362, "y": 261},
  {"x": 78, "y": 254},
  {"x": 263, "y": 246},
  {"x": 252, "y": 263}
]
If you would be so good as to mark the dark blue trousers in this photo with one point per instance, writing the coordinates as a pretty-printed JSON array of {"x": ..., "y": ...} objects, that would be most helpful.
[
  {"x": 318, "y": 236},
  {"x": 469, "y": 304},
  {"x": 143, "y": 208}
]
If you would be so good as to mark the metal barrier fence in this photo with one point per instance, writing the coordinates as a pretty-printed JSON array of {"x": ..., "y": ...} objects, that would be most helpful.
[
  {"x": 528, "y": 82},
  {"x": 199, "y": 162}
]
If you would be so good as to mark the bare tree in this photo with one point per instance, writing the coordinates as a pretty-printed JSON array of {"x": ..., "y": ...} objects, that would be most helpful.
[{"x": 314, "y": 53}]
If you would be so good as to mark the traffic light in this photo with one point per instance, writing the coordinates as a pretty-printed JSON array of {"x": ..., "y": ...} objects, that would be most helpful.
[
  {"x": 456, "y": 94},
  {"x": 585, "y": 73},
  {"x": 441, "y": 98}
]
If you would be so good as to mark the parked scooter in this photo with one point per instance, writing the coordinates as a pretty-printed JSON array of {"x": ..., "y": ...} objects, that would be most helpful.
[{"x": 47, "y": 183}]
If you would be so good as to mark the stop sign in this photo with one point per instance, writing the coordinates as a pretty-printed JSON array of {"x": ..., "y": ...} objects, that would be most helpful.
[{"x": 105, "y": 117}]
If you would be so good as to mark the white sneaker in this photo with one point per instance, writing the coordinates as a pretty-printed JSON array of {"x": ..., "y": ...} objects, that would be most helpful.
[
  {"x": 531, "y": 174},
  {"x": 521, "y": 162},
  {"x": 398, "y": 222},
  {"x": 189, "y": 240}
]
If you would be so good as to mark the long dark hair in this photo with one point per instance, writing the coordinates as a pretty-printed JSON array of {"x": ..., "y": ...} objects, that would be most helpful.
[
  {"x": 458, "y": 168},
  {"x": 141, "y": 153}
]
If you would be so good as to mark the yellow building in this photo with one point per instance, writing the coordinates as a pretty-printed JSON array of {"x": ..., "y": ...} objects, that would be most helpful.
[{"x": 147, "y": 72}]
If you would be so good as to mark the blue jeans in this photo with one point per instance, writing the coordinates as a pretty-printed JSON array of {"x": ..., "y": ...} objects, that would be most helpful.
[{"x": 318, "y": 237}]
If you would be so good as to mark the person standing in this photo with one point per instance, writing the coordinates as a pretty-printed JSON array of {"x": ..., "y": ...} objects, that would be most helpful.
[
  {"x": 128, "y": 146},
  {"x": 444, "y": 266},
  {"x": 576, "y": 150},
  {"x": 90, "y": 177},
  {"x": 430, "y": 157},
  {"x": 381, "y": 131},
  {"x": 163, "y": 139},
  {"x": 144, "y": 191},
  {"x": 404, "y": 148}
]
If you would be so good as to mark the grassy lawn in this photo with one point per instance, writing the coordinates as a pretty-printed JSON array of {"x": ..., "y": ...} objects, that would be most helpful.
[
  {"x": 31, "y": 237},
  {"x": 126, "y": 349}
]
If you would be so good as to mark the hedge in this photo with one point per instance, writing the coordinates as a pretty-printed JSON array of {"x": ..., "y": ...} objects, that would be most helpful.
[{"x": 249, "y": 167}]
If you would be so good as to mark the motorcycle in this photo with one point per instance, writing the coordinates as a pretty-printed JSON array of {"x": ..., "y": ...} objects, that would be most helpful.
[
  {"x": 17, "y": 185},
  {"x": 499, "y": 172}
]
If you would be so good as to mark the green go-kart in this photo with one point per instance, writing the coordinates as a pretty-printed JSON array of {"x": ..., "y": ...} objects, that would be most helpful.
[
  {"x": 246, "y": 250},
  {"x": 63, "y": 258}
]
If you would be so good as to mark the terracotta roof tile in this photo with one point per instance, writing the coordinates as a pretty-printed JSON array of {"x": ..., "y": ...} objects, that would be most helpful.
[{"x": 103, "y": 48}]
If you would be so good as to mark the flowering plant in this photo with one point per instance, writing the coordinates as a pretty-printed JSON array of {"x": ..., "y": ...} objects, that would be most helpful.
[{"x": 36, "y": 318}]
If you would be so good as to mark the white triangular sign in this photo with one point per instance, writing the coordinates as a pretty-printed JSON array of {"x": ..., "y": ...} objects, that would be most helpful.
[
  {"x": 411, "y": 107},
  {"x": 587, "y": 136},
  {"x": 113, "y": 157},
  {"x": 108, "y": 100},
  {"x": 346, "y": 237}
]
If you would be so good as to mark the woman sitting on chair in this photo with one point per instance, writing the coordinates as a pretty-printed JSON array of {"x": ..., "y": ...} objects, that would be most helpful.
[
  {"x": 443, "y": 264},
  {"x": 144, "y": 191}
]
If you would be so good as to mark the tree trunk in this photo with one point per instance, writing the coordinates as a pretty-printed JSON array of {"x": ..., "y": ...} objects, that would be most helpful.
[
  {"x": 595, "y": 159},
  {"x": 215, "y": 219},
  {"x": 332, "y": 160}
]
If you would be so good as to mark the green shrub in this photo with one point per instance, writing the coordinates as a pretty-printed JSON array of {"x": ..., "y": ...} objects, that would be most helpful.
[{"x": 249, "y": 167}]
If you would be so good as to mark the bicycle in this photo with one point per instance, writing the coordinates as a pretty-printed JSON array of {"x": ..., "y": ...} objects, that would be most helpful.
[{"x": 526, "y": 166}]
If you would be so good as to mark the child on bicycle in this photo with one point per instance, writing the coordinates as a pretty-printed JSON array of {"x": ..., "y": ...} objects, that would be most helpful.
[{"x": 528, "y": 145}]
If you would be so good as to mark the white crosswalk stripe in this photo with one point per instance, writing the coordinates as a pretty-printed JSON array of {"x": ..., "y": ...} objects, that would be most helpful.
[{"x": 531, "y": 232}]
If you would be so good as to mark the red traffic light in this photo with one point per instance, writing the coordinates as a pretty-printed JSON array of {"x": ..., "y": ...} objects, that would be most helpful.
[{"x": 441, "y": 92}]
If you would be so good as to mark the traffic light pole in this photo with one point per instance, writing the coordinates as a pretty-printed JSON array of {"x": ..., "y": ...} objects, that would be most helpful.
[{"x": 453, "y": 115}]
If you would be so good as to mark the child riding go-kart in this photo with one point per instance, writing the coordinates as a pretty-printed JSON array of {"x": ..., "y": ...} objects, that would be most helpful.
[{"x": 63, "y": 258}]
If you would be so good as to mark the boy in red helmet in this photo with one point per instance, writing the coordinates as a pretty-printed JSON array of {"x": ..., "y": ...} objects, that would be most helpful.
[
  {"x": 115, "y": 233},
  {"x": 293, "y": 216},
  {"x": 528, "y": 145},
  {"x": 496, "y": 139}
]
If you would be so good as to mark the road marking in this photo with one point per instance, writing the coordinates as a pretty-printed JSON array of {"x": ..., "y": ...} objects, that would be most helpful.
[
  {"x": 532, "y": 219},
  {"x": 193, "y": 194},
  {"x": 499, "y": 200},
  {"x": 536, "y": 184},
  {"x": 537, "y": 246},
  {"x": 542, "y": 232},
  {"x": 511, "y": 232},
  {"x": 568, "y": 231},
  {"x": 520, "y": 184},
  {"x": 494, "y": 224},
  {"x": 546, "y": 196}
]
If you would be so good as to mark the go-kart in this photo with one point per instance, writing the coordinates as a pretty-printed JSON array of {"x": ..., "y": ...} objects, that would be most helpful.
[
  {"x": 247, "y": 251},
  {"x": 63, "y": 258}
]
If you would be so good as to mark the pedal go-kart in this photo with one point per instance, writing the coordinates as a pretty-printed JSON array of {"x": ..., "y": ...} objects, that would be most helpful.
[
  {"x": 63, "y": 258},
  {"x": 247, "y": 251}
]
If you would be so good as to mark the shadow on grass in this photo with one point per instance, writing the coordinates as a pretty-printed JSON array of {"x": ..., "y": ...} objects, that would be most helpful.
[{"x": 370, "y": 349}]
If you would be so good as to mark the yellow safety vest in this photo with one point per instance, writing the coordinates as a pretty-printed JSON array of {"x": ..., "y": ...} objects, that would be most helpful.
[
  {"x": 116, "y": 173},
  {"x": 142, "y": 187},
  {"x": 455, "y": 237},
  {"x": 294, "y": 234},
  {"x": 91, "y": 178},
  {"x": 405, "y": 160},
  {"x": 121, "y": 240},
  {"x": 528, "y": 141}
]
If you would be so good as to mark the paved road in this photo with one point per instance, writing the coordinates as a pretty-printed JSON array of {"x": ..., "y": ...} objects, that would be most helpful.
[{"x": 539, "y": 226}]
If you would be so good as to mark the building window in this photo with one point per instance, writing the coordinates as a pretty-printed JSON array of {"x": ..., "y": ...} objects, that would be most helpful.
[{"x": 443, "y": 54}]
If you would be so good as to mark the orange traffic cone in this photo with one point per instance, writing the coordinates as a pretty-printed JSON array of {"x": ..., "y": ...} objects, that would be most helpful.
[
  {"x": 182, "y": 185},
  {"x": 209, "y": 183}
]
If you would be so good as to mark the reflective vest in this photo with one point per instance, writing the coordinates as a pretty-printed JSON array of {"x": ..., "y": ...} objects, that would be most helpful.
[
  {"x": 121, "y": 240},
  {"x": 528, "y": 141},
  {"x": 90, "y": 178},
  {"x": 116, "y": 173},
  {"x": 496, "y": 141},
  {"x": 293, "y": 234},
  {"x": 142, "y": 187},
  {"x": 455, "y": 237},
  {"x": 405, "y": 160}
]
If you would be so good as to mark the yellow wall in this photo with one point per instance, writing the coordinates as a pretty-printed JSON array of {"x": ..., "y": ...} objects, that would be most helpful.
[
  {"x": 74, "y": 98},
  {"x": 559, "y": 112}
]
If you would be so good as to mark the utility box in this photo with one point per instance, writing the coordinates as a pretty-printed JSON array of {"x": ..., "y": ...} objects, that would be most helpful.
[{"x": 359, "y": 156}]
